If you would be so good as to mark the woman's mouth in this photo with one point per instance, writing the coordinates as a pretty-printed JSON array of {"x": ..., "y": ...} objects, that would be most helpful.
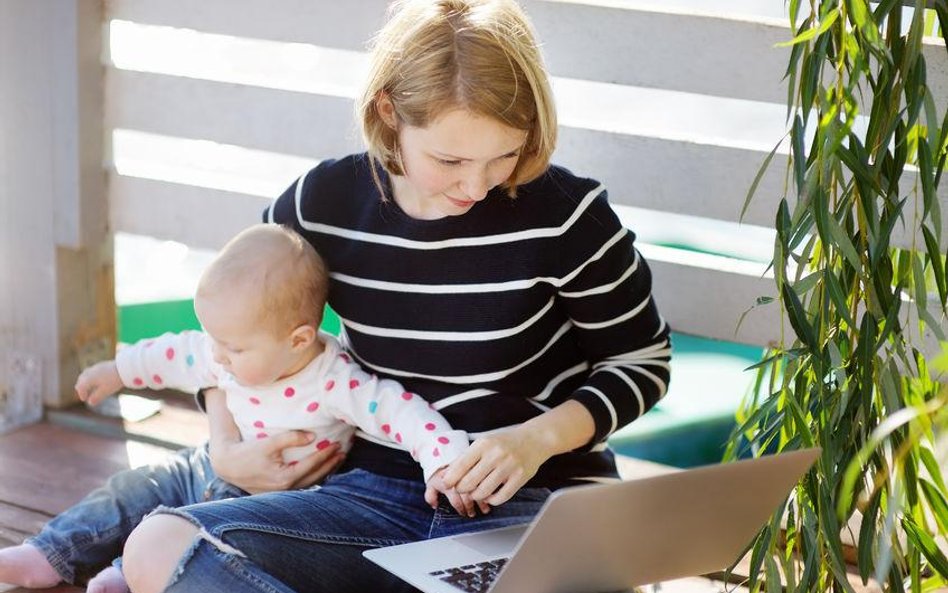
[{"x": 464, "y": 204}]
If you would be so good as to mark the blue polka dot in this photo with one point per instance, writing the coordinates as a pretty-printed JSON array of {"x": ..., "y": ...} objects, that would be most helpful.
[
  {"x": 373, "y": 406},
  {"x": 190, "y": 360}
]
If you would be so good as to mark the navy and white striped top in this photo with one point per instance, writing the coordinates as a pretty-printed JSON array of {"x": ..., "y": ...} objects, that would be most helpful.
[{"x": 493, "y": 316}]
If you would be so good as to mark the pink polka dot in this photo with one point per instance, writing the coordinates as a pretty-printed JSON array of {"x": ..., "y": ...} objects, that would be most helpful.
[
  {"x": 169, "y": 353},
  {"x": 436, "y": 452},
  {"x": 398, "y": 437},
  {"x": 443, "y": 440},
  {"x": 258, "y": 424},
  {"x": 406, "y": 396},
  {"x": 255, "y": 401},
  {"x": 386, "y": 428},
  {"x": 323, "y": 444},
  {"x": 312, "y": 407},
  {"x": 137, "y": 382},
  {"x": 353, "y": 383},
  {"x": 345, "y": 357},
  {"x": 262, "y": 435},
  {"x": 157, "y": 379},
  {"x": 430, "y": 426},
  {"x": 329, "y": 385},
  {"x": 289, "y": 392}
]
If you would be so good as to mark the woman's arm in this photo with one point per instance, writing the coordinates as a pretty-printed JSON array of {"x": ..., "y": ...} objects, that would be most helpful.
[
  {"x": 257, "y": 466},
  {"x": 497, "y": 466},
  {"x": 606, "y": 292}
]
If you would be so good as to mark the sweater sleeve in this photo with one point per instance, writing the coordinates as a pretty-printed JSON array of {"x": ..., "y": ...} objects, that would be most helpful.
[
  {"x": 607, "y": 291},
  {"x": 383, "y": 409},
  {"x": 177, "y": 361}
]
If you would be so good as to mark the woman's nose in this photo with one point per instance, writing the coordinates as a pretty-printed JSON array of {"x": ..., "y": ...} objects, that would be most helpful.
[{"x": 475, "y": 186}]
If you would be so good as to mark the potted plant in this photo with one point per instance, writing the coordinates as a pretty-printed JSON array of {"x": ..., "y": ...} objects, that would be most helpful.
[{"x": 859, "y": 262}]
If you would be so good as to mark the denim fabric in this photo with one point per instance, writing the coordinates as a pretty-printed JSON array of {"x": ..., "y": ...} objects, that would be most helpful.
[
  {"x": 312, "y": 540},
  {"x": 88, "y": 536}
]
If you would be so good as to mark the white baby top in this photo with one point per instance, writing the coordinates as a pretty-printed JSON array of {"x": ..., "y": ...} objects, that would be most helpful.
[{"x": 330, "y": 397}]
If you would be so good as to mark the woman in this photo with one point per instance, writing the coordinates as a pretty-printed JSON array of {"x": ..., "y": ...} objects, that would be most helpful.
[{"x": 502, "y": 289}]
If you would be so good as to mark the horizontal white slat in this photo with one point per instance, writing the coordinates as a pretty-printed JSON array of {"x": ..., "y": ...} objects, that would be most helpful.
[
  {"x": 347, "y": 25},
  {"x": 708, "y": 302},
  {"x": 672, "y": 173},
  {"x": 623, "y": 44},
  {"x": 195, "y": 216}
]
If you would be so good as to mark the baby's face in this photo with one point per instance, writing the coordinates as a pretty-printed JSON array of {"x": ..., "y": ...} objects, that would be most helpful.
[{"x": 252, "y": 353}]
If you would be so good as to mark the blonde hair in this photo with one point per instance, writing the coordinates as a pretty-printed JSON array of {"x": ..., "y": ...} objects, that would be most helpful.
[
  {"x": 277, "y": 265},
  {"x": 479, "y": 55}
]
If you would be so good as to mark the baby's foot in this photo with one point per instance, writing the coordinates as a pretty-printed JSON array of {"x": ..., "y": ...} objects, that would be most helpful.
[
  {"x": 26, "y": 566},
  {"x": 110, "y": 580}
]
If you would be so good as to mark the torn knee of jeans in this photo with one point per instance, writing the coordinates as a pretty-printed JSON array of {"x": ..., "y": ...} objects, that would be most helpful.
[{"x": 202, "y": 534}]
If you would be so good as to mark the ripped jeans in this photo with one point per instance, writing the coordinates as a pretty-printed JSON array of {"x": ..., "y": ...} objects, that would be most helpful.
[
  {"x": 312, "y": 540},
  {"x": 88, "y": 536}
]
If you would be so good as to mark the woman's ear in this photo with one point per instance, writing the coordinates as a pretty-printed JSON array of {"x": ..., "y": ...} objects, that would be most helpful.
[
  {"x": 303, "y": 337},
  {"x": 386, "y": 110}
]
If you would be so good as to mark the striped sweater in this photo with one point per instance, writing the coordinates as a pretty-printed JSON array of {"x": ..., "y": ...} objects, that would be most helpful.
[{"x": 494, "y": 316}]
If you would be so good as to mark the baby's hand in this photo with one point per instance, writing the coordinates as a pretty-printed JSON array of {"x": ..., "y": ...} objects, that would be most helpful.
[
  {"x": 462, "y": 503},
  {"x": 98, "y": 382}
]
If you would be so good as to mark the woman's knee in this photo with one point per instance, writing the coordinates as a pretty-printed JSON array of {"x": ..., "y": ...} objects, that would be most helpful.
[{"x": 154, "y": 550}]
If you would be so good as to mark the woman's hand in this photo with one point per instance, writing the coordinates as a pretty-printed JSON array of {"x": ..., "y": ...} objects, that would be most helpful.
[
  {"x": 462, "y": 503},
  {"x": 495, "y": 467},
  {"x": 258, "y": 466}
]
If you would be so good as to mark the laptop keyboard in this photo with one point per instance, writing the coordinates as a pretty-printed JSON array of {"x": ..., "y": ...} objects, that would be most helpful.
[{"x": 473, "y": 578}]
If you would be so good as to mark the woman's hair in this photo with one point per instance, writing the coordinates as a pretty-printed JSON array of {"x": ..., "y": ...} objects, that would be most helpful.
[
  {"x": 479, "y": 55},
  {"x": 279, "y": 268}
]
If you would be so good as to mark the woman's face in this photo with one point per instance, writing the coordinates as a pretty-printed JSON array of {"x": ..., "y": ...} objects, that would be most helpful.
[{"x": 452, "y": 163}]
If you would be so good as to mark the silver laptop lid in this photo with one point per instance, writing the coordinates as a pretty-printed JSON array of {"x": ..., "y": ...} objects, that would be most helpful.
[{"x": 606, "y": 537}]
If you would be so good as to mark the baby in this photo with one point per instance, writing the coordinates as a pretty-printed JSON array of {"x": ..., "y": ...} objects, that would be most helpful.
[{"x": 260, "y": 303}]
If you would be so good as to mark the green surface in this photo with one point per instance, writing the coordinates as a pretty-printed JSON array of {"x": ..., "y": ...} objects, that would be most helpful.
[
  {"x": 147, "y": 320},
  {"x": 688, "y": 427}
]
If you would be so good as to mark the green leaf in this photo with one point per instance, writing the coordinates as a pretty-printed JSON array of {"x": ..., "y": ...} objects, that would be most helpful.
[
  {"x": 934, "y": 257},
  {"x": 758, "y": 177},
  {"x": 772, "y": 574},
  {"x": 798, "y": 318},
  {"x": 933, "y": 468},
  {"x": 843, "y": 242},
  {"x": 837, "y": 296},
  {"x": 926, "y": 544},
  {"x": 826, "y": 23},
  {"x": 867, "y": 536},
  {"x": 936, "y": 502}
]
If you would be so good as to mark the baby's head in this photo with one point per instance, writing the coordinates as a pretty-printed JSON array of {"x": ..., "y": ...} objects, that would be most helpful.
[{"x": 261, "y": 301}]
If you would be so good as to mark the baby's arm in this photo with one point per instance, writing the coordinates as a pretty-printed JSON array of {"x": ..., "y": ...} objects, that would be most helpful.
[
  {"x": 181, "y": 361},
  {"x": 383, "y": 409},
  {"x": 98, "y": 382}
]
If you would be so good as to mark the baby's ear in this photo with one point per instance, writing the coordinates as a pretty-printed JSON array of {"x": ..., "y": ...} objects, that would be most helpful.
[{"x": 303, "y": 336}]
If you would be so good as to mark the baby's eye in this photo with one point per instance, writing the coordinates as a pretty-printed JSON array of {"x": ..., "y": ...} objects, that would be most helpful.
[{"x": 449, "y": 163}]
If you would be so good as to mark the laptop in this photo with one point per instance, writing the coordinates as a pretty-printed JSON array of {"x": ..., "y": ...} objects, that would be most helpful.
[{"x": 610, "y": 537}]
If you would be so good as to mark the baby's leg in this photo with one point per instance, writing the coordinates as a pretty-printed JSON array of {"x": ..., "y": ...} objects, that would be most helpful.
[
  {"x": 26, "y": 566},
  {"x": 87, "y": 537},
  {"x": 110, "y": 580}
]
